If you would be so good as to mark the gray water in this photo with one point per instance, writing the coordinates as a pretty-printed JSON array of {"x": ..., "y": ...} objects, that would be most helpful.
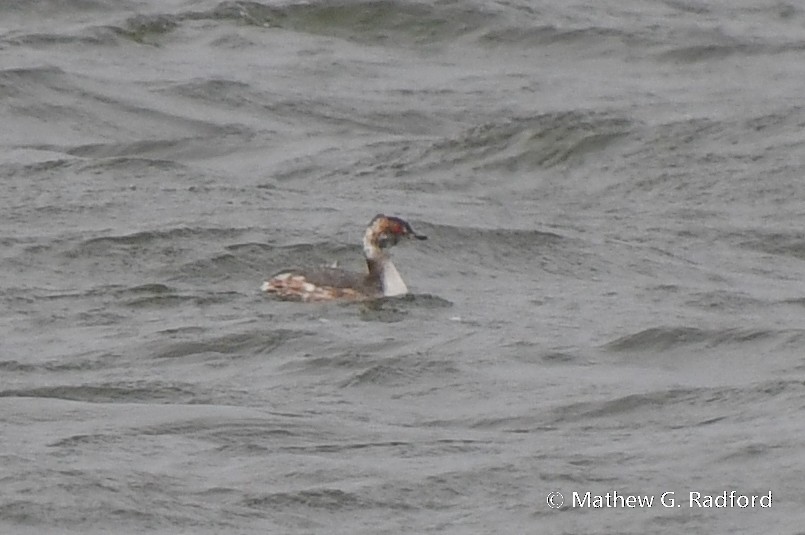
[{"x": 611, "y": 298}]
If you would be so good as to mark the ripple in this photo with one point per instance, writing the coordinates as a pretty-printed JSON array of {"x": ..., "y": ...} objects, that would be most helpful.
[
  {"x": 136, "y": 392},
  {"x": 666, "y": 338}
]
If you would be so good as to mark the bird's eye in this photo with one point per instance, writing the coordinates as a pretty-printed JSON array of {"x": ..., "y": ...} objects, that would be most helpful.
[{"x": 386, "y": 240}]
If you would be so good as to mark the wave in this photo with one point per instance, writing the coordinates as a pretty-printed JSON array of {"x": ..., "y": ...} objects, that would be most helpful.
[
  {"x": 141, "y": 28},
  {"x": 504, "y": 238},
  {"x": 93, "y": 36},
  {"x": 373, "y": 21},
  {"x": 667, "y": 338},
  {"x": 369, "y": 21},
  {"x": 720, "y": 51},
  {"x": 649, "y": 402},
  {"x": 401, "y": 371},
  {"x": 514, "y": 146},
  {"x": 121, "y": 392},
  {"x": 56, "y": 106},
  {"x": 790, "y": 244},
  {"x": 81, "y": 364},
  {"x": 148, "y": 237},
  {"x": 518, "y": 251},
  {"x": 731, "y": 300},
  {"x": 172, "y": 300},
  {"x": 234, "y": 94},
  {"x": 593, "y": 37},
  {"x": 311, "y": 499},
  {"x": 251, "y": 343},
  {"x": 51, "y": 7},
  {"x": 19, "y": 81},
  {"x": 398, "y": 23},
  {"x": 674, "y": 407},
  {"x": 683, "y": 407}
]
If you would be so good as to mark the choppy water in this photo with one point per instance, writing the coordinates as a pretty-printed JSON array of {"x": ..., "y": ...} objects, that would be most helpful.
[{"x": 611, "y": 298}]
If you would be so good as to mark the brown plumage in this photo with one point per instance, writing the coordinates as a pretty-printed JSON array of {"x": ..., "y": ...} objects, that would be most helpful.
[{"x": 325, "y": 284}]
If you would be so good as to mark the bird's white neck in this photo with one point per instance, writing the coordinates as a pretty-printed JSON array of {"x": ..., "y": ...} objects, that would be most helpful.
[{"x": 390, "y": 279}]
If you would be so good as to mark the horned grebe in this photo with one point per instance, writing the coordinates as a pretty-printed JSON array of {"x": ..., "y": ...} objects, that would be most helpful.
[{"x": 327, "y": 283}]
